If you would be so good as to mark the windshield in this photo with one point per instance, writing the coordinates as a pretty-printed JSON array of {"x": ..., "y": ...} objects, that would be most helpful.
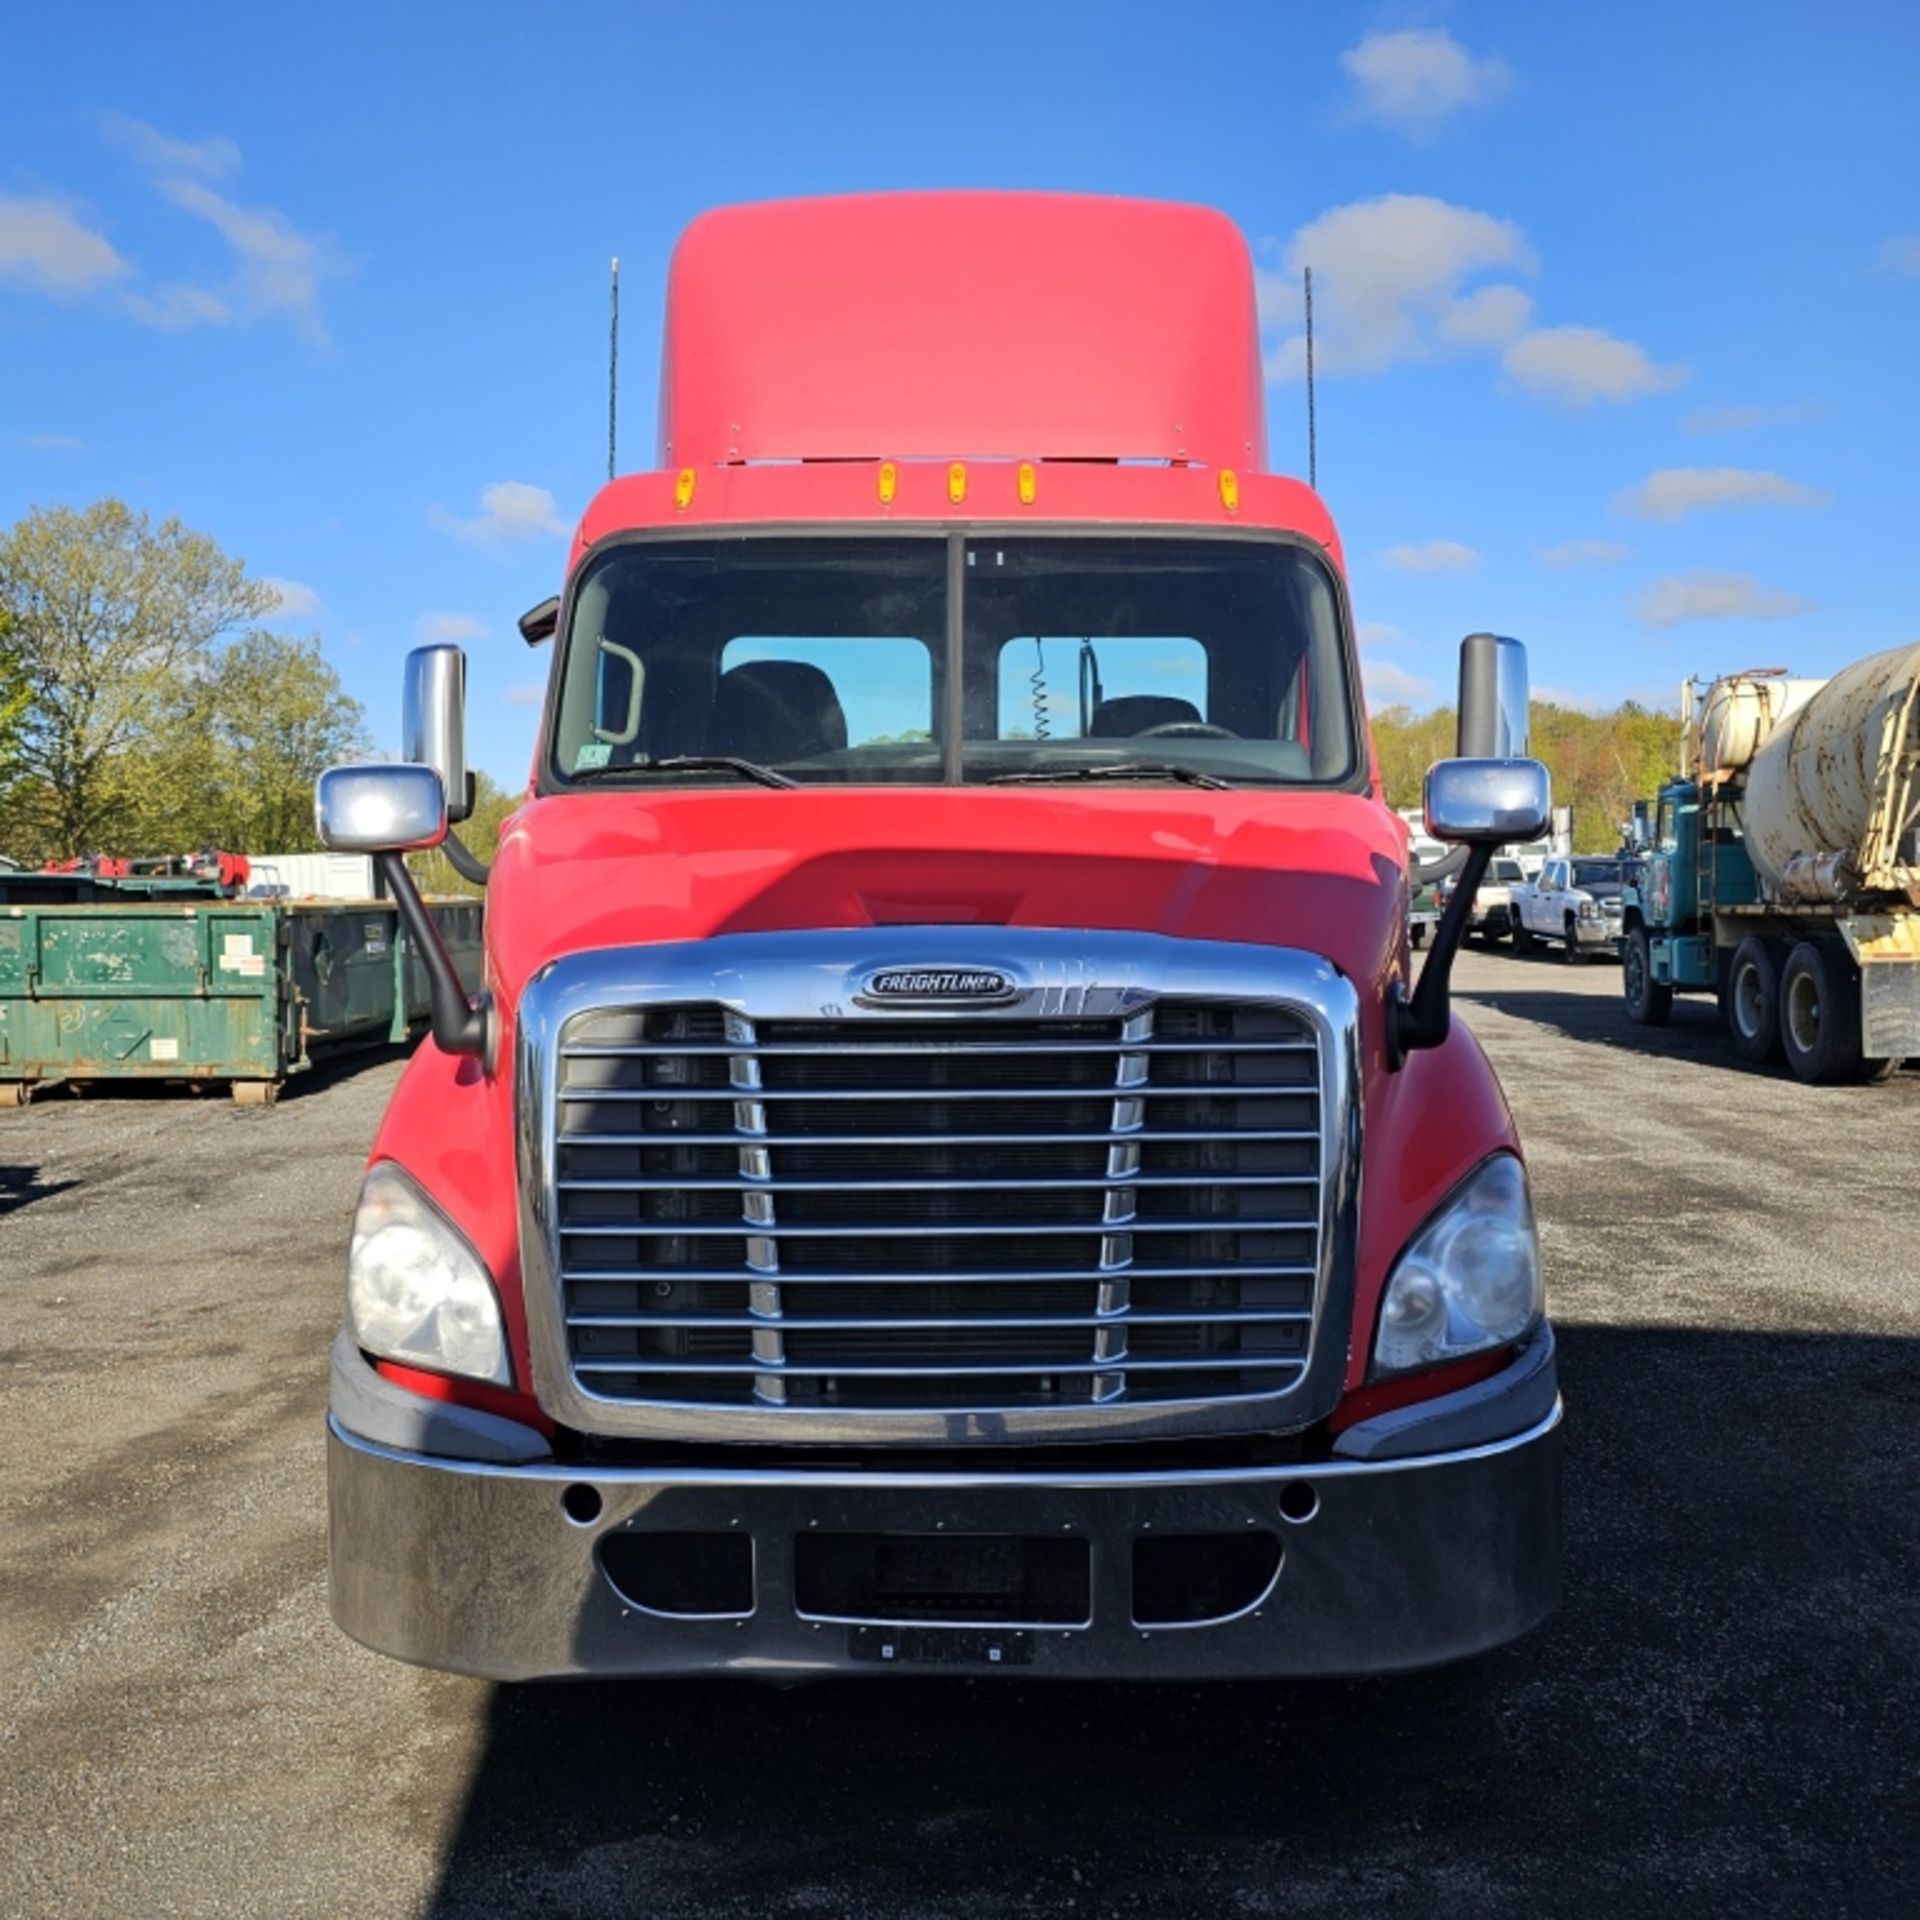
[
  {"x": 1507, "y": 872},
  {"x": 1597, "y": 873},
  {"x": 839, "y": 659}
]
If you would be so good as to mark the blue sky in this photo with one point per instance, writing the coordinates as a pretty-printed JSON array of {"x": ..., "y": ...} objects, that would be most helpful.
[{"x": 1617, "y": 307}]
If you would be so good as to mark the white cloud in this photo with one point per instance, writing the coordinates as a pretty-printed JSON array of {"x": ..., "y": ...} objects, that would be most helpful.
[
  {"x": 1388, "y": 285},
  {"x": 511, "y": 512},
  {"x": 160, "y": 154},
  {"x": 278, "y": 268},
  {"x": 1706, "y": 595},
  {"x": 1579, "y": 365},
  {"x": 1742, "y": 419},
  {"x": 292, "y": 599},
  {"x": 531, "y": 695},
  {"x": 1560, "y": 697},
  {"x": 53, "y": 442},
  {"x": 173, "y": 308},
  {"x": 1389, "y": 684},
  {"x": 46, "y": 247},
  {"x": 1675, "y": 492},
  {"x": 1376, "y": 633},
  {"x": 1583, "y": 553},
  {"x": 450, "y": 627},
  {"x": 1431, "y": 556},
  {"x": 1901, "y": 255},
  {"x": 1415, "y": 79}
]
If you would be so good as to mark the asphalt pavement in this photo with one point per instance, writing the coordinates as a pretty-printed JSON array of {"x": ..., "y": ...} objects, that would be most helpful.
[{"x": 1723, "y": 1719}]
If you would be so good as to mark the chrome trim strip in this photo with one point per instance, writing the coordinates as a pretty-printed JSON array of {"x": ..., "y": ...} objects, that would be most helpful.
[
  {"x": 1062, "y": 974},
  {"x": 1322, "y": 1471}
]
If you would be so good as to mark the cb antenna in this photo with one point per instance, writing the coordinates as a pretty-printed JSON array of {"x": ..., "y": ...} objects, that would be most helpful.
[
  {"x": 613, "y": 366},
  {"x": 1313, "y": 447}
]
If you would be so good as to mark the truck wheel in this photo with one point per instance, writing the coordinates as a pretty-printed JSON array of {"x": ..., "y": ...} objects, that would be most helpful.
[
  {"x": 1523, "y": 941},
  {"x": 1648, "y": 1001},
  {"x": 1820, "y": 1015},
  {"x": 1570, "y": 933},
  {"x": 1753, "y": 1002}
]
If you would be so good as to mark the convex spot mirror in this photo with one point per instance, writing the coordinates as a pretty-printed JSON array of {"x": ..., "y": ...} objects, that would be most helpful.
[
  {"x": 433, "y": 726},
  {"x": 393, "y": 808},
  {"x": 1488, "y": 802}
]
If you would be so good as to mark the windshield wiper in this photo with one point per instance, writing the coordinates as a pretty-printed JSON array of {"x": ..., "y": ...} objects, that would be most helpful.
[
  {"x": 1111, "y": 770},
  {"x": 693, "y": 763}
]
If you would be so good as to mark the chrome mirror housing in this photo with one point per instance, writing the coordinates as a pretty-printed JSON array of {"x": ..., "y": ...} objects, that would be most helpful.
[
  {"x": 394, "y": 808},
  {"x": 433, "y": 726},
  {"x": 1493, "y": 698},
  {"x": 1487, "y": 803}
]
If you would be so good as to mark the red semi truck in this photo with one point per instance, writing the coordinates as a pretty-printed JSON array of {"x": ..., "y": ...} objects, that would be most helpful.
[{"x": 949, "y": 1168}]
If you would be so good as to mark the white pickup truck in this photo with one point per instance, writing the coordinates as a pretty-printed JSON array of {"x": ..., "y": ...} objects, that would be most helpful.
[
  {"x": 1491, "y": 916},
  {"x": 1575, "y": 901}
]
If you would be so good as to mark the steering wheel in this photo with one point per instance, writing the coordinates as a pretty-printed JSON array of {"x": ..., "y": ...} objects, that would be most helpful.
[{"x": 1186, "y": 730}]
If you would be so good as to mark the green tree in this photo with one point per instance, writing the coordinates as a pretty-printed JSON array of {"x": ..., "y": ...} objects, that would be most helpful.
[
  {"x": 1601, "y": 762},
  {"x": 251, "y": 734},
  {"x": 479, "y": 834},
  {"x": 114, "y": 620}
]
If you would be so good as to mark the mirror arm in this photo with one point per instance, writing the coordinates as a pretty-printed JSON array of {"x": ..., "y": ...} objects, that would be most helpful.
[
  {"x": 1423, "y": 873},
  {"x": 1425, "y": 1018},
  {"x": 467, "y": 864},
  {"x": 460, "y": 1025}
]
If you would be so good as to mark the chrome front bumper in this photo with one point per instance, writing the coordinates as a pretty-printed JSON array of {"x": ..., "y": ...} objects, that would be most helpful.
[{"x": 1404, "y": 1562}]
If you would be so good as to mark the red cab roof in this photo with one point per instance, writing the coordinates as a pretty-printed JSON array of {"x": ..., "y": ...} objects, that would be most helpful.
[{"x": 962, "y": 325}]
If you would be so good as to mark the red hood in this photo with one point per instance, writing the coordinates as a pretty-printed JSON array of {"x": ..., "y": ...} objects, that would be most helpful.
[{"x": 1323, "y": 872}]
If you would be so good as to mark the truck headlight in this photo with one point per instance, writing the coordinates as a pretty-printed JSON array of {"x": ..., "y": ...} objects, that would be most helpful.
[
  {"x": 416, "y": 1292},
  {"x": 1469, "y": 1280}
]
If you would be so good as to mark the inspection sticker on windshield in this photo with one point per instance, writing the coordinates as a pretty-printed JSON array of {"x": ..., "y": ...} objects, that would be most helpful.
[{"x": 596, "y": 753}]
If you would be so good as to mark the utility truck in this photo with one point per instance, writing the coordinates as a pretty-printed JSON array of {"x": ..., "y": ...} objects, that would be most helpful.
[
  {"x": 1782, "y": 872},
  {"x": 949, "y": 1169}
]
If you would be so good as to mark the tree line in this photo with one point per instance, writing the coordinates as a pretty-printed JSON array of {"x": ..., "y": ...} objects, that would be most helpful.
[
  {"x": 1601, "y": 762},
  {"x": 143, "y": 707}
]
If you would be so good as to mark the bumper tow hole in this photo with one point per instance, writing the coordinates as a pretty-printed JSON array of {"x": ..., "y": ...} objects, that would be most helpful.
[
  {"x": 581, "y": 1504},
  {"x": 1299, "y": 1501}
]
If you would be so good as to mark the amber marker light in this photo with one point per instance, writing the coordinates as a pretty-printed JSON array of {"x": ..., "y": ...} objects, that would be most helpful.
[
  {"x": 887, "y": 482},
  {"x": 1029, "y": 483},
  {"x": 1229, "y": 490},
  {"x": 683, "y": 489},
  {"x": 956, "y": 483}
]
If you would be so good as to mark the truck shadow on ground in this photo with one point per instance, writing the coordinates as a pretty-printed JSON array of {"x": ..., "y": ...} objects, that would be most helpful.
[
  {"x": 21, "y": 1186},
  {"x": 1694, "y": 1035},
  {"x": 1718, "y": 1712}
]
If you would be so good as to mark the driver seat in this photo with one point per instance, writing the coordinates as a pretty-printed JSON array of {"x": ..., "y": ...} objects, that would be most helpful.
[
  {"x": 768, "y": 710},
  {"x": 1131, "y": 713}
]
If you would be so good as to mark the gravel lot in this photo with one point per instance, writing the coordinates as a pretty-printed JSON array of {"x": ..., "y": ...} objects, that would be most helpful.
[{"x": 1724, "y": 1718}]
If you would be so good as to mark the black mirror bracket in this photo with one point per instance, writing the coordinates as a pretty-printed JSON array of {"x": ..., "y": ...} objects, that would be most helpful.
[
  {"x": 1425, "y": 1017},
  {"x": 460, "y": 1024}
]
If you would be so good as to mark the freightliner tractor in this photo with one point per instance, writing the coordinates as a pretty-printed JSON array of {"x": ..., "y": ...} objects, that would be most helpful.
[
  {"x": 949, "y": 1169},
  {"x": 1783, "y": 873}
]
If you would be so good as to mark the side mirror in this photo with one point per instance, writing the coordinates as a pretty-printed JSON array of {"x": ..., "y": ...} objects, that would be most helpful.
[
  {"x": 1493, "y": 699},
  {"x": 1488, "y": 802},
  {"x": 433, "y": 727},
  {"x": 541, "y": 622},
  {"x": 391, "y": 808},
  {"x": 1489, "y": 795}
]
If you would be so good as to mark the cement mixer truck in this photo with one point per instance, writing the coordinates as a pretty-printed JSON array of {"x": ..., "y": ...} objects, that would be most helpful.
[{"x": 1783, "y": 873}]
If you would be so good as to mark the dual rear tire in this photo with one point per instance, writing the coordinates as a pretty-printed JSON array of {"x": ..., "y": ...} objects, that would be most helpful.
[{"x": 1805, "y": 1010}]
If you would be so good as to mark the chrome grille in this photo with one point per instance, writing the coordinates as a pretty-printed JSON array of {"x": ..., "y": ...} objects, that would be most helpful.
[{"x": 969, "y": 1212}]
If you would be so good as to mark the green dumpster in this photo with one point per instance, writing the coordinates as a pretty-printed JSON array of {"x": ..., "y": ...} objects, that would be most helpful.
[{"x": 241, "y": 992}]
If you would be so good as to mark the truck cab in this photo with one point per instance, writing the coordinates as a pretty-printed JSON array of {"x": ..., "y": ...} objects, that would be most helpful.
[{"x": 951, "y": 1168}]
